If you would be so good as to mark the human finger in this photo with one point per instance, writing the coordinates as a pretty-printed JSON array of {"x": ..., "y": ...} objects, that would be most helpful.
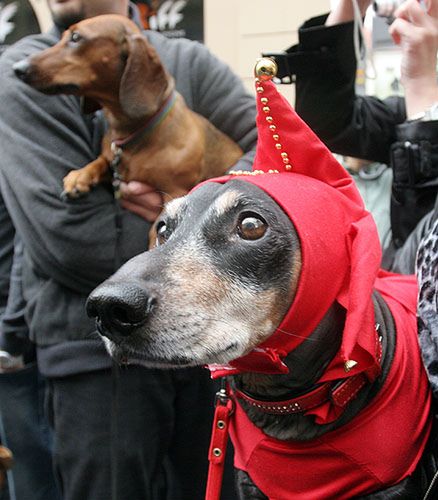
[
  {"x": 413, "y": 12},
  {"x": 402, "y": 29},
  {"x": 135, "y": 188},
  {"x": 432, "y": 8}
]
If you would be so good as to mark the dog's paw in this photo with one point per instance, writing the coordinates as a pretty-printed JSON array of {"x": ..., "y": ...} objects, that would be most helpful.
[
  {"x": 78, "y": 183},
  {"x": 72, "y": 195}
]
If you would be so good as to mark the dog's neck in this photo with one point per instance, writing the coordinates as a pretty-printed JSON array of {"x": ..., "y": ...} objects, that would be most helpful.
[
  {"x": 147, "y": 126},
  {"x": 123, "y": 123},
  {"x": 306, "y": 365}
]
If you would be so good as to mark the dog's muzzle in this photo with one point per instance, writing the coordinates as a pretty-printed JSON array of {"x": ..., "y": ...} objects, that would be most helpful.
[{"x": 119, "y": 309}]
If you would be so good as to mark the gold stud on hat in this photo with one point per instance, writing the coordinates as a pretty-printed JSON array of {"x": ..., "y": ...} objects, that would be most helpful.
[{"x": 265, "y": 69}]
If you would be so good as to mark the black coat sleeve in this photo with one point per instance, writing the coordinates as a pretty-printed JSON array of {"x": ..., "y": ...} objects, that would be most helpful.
[{"x": 349, "y": 124}]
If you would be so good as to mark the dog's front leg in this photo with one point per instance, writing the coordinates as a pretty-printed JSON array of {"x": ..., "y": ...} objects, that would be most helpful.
[
  {"x": 79, "y": 182},
  {"x": 245, "y": 488}
]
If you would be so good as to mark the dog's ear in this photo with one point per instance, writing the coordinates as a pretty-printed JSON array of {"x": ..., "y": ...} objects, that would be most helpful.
[
  {"x": 144, "y": 80},
  {"x": 89, "y": 105}
]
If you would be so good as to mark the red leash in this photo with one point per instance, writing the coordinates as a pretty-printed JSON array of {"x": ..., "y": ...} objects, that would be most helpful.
[{"x": 218, "y": 444}]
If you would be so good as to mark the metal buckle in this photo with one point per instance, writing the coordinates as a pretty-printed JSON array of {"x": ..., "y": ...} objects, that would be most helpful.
[{"x": 223, "y": 398}]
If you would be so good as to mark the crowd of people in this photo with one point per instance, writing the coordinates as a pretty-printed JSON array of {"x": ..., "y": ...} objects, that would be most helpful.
[{"x": 82, "y": 428}]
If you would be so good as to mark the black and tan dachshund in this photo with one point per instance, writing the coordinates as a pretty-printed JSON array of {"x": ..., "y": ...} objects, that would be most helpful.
[{"x": 222, "y": 277}]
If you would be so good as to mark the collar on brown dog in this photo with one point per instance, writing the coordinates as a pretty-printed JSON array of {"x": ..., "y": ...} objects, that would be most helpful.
[
  {"x": 149, "y": 126},
  {"x": 118, "y": 145}
]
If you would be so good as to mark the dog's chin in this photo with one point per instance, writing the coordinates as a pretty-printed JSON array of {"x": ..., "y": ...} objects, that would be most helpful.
[{"x": 129, "y": 356}]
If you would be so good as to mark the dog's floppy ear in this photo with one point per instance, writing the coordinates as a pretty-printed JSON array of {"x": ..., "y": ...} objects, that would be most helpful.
[{"x": 144, "y": 80}]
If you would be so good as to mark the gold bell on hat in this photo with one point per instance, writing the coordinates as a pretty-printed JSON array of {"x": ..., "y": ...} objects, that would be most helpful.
[{"x": 265, "y": 69}]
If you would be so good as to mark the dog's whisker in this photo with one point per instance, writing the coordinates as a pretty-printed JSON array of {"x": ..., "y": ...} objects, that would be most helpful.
[
  {"x": 309, "y": 339},
  {"x": 167, "y": 196}
]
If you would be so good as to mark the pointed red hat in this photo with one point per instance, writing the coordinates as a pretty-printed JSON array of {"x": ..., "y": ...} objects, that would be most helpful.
[{"x": 338, "y": 237}]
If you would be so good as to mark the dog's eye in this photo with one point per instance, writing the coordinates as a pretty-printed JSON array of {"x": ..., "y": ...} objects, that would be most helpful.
[
  {"x": 251, "y": 227},
  {"x": 75, "y": 37},
  {"x": 162, "y": 233}
]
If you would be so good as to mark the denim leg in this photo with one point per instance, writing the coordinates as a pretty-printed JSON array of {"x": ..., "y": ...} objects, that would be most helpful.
[{"x": 26, "y": 433}]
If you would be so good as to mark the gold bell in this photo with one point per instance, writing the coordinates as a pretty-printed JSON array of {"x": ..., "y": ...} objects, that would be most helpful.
[
  {"x": 265, "y": 69},
  {"x": 349, "y": 364}
]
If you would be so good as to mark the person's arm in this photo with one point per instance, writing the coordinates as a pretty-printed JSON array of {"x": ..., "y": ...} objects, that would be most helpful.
[
  {"x": 349, "y": 124},
  {"x": 8, "y": 360},
  {"x": 414, "y": 154},
  {"x": 43, "y": 137},
  {"x": 415, "y": 30},
  {"x": 14, "y": 332},
  {"x": 343, "y": 11},
  {"x": 7, "y": 233},
  {"x": 223, "y": 99}
]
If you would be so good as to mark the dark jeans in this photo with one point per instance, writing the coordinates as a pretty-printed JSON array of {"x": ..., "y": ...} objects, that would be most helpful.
[
  {"x": 133, "y": 434},
  {"x": 25, "y": 431}
]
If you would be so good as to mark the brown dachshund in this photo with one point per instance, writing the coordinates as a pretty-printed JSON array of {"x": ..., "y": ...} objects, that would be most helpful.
[
  {"x": 5, "y": 464},
  {"x": 107, "y": 60}
]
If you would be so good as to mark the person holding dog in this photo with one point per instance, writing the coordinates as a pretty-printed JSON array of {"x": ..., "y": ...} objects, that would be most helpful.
[
  {"x": 400, "y": 132},
  {"x": 128, "y": 433}
]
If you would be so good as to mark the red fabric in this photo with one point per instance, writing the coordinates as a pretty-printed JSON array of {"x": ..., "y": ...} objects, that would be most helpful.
[
  {"x": 218, "y": 443},
  {"x": 377, "y": 449}
]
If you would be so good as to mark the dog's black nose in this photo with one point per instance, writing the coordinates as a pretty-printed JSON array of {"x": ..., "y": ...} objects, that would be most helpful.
[
  {"x": 21, "y": 69},
  {"x": 119, "y": 308}
]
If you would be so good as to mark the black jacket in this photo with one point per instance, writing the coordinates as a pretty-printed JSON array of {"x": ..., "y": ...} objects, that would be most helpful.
[{"x": 323, "y": 66}]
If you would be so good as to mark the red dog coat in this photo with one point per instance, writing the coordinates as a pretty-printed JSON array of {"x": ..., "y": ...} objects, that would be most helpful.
[{"x": 377, "y": 449}]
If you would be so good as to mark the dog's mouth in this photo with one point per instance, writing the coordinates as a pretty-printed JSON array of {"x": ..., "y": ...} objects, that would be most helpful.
[
  {"x": 128, "y": 350},
  {"x": 124, "y": 353},
  {"x": 127, "y": 356}
]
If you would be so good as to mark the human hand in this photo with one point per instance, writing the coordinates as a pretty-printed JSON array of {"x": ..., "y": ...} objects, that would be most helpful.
[
  {"x": 415, "y": 30},
  {"x": 142, "y": 199},
  {"x": 343, "y": 12}
]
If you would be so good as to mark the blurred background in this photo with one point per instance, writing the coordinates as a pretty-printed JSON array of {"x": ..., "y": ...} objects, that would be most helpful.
[{"x": 237, "y": 31}]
